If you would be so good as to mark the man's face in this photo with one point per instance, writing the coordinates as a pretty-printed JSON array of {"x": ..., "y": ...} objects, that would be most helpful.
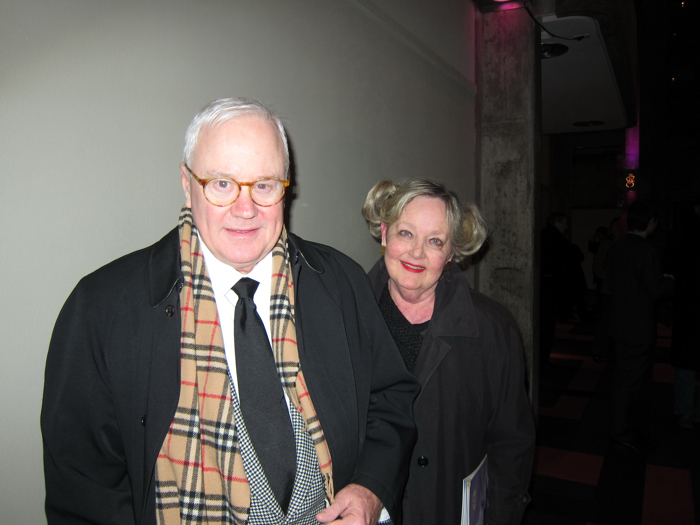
[{"x": 245, "y": 148}]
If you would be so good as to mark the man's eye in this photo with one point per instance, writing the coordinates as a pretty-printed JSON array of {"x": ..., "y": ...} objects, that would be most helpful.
[
  {"x": 222, "y": 184},
  {"x": 266, "y": 187}
]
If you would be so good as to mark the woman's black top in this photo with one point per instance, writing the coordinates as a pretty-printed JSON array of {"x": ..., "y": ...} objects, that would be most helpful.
[{"x": 407, "y": 336}]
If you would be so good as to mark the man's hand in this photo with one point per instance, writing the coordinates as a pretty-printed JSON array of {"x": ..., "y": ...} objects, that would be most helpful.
[{"x": 354, "y": 505}]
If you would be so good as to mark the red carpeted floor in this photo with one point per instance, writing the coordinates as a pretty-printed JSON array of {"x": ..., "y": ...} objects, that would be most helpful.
[{"x": 579, "y": 479}]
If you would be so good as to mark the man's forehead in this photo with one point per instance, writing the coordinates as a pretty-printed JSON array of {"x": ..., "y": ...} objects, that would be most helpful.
[
  {"x": 248, "y": 125},
  {"x": 244, "y": 130}
]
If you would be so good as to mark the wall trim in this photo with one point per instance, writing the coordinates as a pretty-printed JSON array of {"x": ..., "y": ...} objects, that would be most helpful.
[{"x": 407, "y": 38}]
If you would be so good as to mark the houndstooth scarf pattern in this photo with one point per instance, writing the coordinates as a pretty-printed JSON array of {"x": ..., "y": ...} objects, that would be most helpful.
[{"x": 200, "y": 476}]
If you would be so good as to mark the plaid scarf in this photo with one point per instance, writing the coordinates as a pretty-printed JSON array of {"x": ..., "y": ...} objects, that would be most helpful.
[{"x": 200, "y": 476}]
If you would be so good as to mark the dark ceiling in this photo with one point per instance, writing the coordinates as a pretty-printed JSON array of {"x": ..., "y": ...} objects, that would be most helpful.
[
  {"x": 626, "y": 63},
  {"x": 591, "y": 84}
]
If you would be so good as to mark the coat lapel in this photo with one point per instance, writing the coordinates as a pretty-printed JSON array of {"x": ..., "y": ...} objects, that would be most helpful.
[{"x": 452, "y": 318}]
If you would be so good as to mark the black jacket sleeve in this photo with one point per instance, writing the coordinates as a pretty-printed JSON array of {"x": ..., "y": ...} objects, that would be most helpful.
[
  {"x": 84, "y": 459},
  {"x": 383, "y": 463}
]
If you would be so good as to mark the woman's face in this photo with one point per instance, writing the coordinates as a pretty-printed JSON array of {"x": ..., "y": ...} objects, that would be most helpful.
[{"x": 417, "y": 247}]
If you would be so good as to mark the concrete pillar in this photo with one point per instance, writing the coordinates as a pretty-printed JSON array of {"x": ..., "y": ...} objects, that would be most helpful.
[{"x": 506, "y": 188}]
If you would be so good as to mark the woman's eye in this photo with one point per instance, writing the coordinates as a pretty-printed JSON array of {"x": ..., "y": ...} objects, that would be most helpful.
[
  {"x": 436, "y": 242},
  {"x": 404, "y": 233}
]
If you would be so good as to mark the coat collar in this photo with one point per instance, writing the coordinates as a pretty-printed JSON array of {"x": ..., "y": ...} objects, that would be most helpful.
[
  {"x": 299, "y": 251},
  {"x": 453, "y": 317},
  {"x": 164, "y": 273},
  {"x": 453, "y": 314}
]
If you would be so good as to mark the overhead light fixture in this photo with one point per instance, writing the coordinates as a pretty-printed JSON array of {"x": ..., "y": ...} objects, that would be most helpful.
[
  {"x": 488, "y": 6},
  {"x": 552, "y": 50}
]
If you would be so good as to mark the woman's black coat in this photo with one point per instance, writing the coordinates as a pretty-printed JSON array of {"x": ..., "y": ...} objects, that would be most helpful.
[{"x": 472, "y": 402}]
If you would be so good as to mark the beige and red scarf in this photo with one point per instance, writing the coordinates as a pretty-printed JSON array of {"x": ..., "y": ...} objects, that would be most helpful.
[{"x": 199, "y": 472}]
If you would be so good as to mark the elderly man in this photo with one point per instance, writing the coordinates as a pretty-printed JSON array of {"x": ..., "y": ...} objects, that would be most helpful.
[{"x": 231, "y": 372}]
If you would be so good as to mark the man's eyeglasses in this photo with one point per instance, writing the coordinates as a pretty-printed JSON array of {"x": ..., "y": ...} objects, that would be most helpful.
[{"x": 223, "y": 191}]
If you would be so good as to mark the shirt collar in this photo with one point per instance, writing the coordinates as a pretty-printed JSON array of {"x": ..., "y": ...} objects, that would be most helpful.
[{"x": 223, "y": 276}]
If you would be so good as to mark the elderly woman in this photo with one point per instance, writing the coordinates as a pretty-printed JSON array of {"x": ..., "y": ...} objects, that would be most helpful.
[{"x": 463, "y": 347}]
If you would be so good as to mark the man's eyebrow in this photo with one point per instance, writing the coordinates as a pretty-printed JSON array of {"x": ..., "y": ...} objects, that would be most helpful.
[{"x": 218, "y": 174}]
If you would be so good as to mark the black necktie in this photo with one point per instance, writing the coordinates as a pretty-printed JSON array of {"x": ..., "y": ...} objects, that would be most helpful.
[{"x": 261, "y": 397}]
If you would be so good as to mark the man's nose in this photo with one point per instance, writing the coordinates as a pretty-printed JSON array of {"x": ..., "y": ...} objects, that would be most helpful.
[{"x": 244, "y": 205}]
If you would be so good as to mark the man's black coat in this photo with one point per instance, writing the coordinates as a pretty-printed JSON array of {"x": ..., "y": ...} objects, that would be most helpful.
[{"x": 112, "y": 382}]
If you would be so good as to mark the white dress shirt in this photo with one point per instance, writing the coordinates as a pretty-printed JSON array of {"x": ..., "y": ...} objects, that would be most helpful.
[{"x": 223, "y": 277}]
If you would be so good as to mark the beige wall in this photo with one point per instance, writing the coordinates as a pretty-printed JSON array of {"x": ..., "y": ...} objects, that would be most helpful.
[{"x": 95, "y": 97}]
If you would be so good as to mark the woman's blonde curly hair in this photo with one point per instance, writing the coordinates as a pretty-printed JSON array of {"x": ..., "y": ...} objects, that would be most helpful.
[{"x": 386, "y": 201}]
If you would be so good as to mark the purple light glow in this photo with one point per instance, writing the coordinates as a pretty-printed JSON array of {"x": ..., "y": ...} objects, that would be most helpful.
[
  {"x": 632, "y": 147},
  {"x": 506, "y": 5}
]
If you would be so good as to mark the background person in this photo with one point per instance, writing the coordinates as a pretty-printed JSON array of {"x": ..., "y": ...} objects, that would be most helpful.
[
  {"x": 463, "y": 347},
  {"x": 634, "y": 278},
  {"x": 554, "y": 254},
  {"x": 148, "y": 415},
  {"x": 603, "y": 345}
]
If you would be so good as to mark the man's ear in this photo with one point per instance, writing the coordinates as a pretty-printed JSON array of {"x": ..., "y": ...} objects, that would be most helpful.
[{"x": 186, "y": 180}]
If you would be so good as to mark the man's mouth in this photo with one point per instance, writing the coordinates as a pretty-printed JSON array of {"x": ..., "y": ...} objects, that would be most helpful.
[
  {"x": 241, "y": 231},
  {"x": 412, "y": 267}
]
